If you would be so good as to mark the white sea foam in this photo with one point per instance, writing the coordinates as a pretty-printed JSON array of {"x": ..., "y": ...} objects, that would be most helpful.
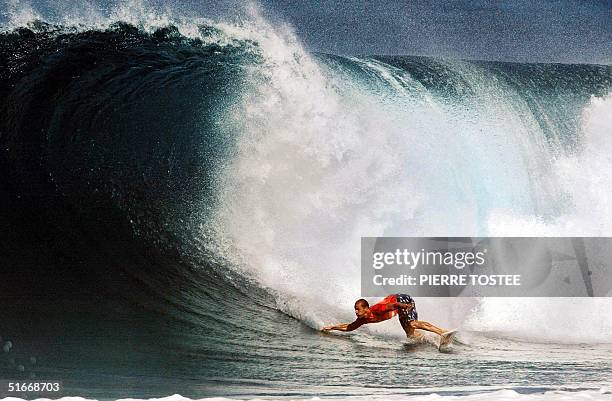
[
  {"x": 602, "y": 394},
  {"x": 585, "y": 178}
]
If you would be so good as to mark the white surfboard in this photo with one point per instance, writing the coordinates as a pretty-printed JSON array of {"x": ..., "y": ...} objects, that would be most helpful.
[{"x": 446, "y": 339}]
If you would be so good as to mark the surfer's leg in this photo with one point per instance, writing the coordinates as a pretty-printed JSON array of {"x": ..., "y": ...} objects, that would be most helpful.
[
  {"x": 423, "y": 325},
  {"x": 410, "y": 332},
  {"x": 407, "y": 317}
]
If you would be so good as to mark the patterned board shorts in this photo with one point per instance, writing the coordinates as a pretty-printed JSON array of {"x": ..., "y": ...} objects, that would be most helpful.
[{"x": 405, "y": 317}]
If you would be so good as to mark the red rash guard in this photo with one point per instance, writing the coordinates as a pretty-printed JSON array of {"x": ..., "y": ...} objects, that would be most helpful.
[
  {"x": 383, "y": 310},
  {"x": 386, "y": 309}
]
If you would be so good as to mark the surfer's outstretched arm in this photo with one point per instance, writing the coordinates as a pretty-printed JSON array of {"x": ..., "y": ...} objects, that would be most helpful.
[{"x": 344, "y": 326}]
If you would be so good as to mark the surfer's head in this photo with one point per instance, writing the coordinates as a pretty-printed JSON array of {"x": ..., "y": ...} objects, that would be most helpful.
[{"x": 362, "y": 308}]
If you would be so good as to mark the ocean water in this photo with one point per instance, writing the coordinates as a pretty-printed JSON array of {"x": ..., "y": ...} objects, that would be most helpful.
[{"x": 183, "y": 201}]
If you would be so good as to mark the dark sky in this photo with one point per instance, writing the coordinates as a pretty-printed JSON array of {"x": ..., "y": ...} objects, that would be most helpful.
[
  {"x": 520, "y": 30},
  {"x": 513, "y": 30}
]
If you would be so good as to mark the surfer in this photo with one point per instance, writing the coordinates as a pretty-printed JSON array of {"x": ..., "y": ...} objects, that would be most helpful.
[{"x": 396, "y": 304}]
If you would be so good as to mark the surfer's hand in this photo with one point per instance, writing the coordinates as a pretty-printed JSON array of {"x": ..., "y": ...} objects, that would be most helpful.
[
  {"x": 326, "y": 328},
  {"x": 405, "y": 306}
]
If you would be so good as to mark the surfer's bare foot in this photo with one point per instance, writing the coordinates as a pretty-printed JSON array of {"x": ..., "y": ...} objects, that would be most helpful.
[{"x": 416, "y": 337}]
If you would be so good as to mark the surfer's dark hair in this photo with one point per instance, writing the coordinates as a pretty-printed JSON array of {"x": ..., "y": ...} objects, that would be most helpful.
[{"x": 362, "y": 302}]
